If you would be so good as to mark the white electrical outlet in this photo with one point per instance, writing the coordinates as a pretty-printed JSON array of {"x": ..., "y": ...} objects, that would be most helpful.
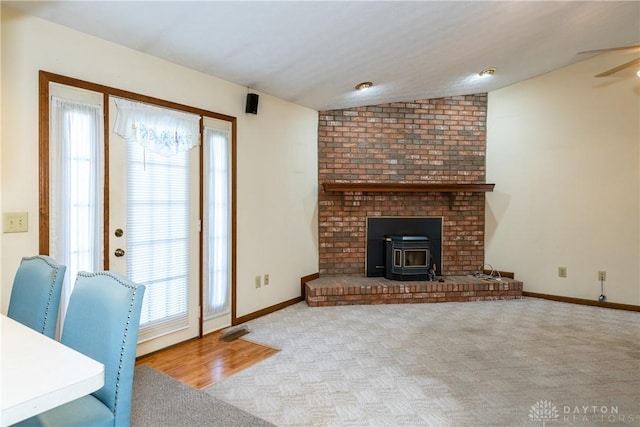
[
  {"x": 562, "y": 271},
  {"x": 258, "y": 282},
  {"x": 15, "y": 222},
  {"x": 602, "y": 276}
]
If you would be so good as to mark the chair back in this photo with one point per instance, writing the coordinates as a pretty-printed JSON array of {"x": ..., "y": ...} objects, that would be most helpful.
[
  {"x": 102, "y": 322},
  {"x": 35, "y": 296}
]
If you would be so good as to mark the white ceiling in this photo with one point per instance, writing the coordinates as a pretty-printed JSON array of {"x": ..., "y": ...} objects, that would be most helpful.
[{"x": 313, "y": 53}]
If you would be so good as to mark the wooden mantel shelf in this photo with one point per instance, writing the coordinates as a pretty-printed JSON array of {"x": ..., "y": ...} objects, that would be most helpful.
[{"x": 405, "y": 187}]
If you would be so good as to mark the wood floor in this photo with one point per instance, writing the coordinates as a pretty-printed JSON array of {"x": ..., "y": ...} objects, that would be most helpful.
[{"x": 203, "y": 362}]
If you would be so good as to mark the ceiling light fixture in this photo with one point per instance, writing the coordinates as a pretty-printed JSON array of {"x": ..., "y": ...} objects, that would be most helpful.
[
  {"x": 363, "y": 85},
  {"x": 487, "y": 72},
  {"x": 638, "y": 73}
]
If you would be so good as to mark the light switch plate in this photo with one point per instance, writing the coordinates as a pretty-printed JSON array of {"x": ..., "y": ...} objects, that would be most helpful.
[{"x": 15, "y": 222}]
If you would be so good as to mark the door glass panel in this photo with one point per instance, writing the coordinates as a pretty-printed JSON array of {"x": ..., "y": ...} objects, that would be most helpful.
[
  {"x": 216, "y": 219},
  {"x": 158, "y": 213},
  {"x": 76, "y": 170}
]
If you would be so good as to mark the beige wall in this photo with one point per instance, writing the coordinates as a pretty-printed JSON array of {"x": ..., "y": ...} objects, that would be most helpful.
[
  {"x": 277, "y": 155},
  {"x": 563, "y": 151}
]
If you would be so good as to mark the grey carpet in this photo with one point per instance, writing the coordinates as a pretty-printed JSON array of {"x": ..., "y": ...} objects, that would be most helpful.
[
  {"x": 159, "y": 400},
  {"x": 492, "y": 363}
]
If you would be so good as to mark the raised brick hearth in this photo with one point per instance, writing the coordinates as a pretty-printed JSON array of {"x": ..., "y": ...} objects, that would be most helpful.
[{"x": 348, "y": 290}]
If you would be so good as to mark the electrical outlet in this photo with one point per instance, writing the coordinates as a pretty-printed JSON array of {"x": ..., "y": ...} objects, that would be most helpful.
[
  {"x": 602, "y": 276},
  {"x": 562, "y": 271},
  {"x": 266, "y": 279},
  {"x": 15, "y": 222},
  {"x": 257, "y": 282}
]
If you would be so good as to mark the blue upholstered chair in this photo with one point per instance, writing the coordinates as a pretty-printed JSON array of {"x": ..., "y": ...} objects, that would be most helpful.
[
  {"x": 102, "y": 322},
  {"x": 35, "y": 296}
]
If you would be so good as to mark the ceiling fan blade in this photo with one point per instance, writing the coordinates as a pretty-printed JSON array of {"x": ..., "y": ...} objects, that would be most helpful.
[
  {"x": 619, "y": 68},
  {"x": 621, "y": 49}
]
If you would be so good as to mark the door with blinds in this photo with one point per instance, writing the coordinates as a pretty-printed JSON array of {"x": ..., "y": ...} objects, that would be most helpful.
[
  {"x": 167, "y": 218},
  {"x": 154, "y": 215}
]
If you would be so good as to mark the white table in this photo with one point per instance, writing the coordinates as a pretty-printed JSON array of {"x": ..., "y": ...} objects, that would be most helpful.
[{"x": 39, "y": 373}]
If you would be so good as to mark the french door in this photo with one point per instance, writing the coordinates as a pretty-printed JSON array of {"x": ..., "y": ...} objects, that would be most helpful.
[
  {"x": 154, "y": 232},
  {"x": 166, "y": 218}
]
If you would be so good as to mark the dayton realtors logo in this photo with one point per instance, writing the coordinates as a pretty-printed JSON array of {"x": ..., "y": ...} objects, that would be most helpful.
[{"x": 545, "y": 411}]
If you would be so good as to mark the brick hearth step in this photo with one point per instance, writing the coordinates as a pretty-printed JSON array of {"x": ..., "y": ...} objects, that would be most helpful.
[{"x": 345, "y": 290}]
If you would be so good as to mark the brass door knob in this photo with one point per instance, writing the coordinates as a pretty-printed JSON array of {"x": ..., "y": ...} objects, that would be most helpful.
[
  {"x": 119, "y": 252},
  {"x": 119, "y": 232}
]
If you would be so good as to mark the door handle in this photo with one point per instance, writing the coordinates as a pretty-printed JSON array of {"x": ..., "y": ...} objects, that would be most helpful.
[{"x": 119, "y": 252}]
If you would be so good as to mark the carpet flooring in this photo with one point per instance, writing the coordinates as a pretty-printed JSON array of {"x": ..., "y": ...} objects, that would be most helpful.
[
  {"x": 527, "y": 362},
  {"x": 161, "y": 401}
]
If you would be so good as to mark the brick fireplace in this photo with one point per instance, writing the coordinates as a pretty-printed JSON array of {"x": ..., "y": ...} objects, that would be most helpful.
[{"x": 439, "y": 141}]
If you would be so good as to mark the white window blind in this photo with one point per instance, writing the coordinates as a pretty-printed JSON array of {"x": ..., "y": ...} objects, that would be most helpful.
[{"x": 158, "y": 237}]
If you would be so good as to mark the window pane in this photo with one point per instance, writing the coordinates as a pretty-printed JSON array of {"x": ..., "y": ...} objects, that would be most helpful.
[
  {"x": 75, "y": 184},
  {"x": 158, "y": 236},
  {"x": 217, "y": 230}
]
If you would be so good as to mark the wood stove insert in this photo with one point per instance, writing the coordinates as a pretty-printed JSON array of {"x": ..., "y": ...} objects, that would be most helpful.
[{"x": 407, "y": 257}]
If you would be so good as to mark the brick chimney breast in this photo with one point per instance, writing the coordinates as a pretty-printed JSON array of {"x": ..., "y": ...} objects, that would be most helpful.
[{"x": 427, "y": 141}]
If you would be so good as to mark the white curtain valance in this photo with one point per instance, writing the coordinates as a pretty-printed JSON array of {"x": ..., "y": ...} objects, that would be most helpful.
[{"x": 159, "y": 130}]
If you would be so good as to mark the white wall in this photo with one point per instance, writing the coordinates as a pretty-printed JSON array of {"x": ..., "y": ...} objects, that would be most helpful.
[
  {"x": 563, "y": 151},
  {"x": 277, "y": 151}
]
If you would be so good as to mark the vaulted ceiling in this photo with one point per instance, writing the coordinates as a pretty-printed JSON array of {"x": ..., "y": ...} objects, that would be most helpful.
[{"x": 313, "y": 53}]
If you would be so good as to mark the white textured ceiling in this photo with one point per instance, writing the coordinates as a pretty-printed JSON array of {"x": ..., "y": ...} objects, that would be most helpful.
[{"x": 314, "y": 53}]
